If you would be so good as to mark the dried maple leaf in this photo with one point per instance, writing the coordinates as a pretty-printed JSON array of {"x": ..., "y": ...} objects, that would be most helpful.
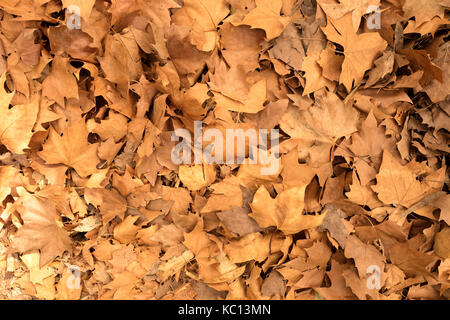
[
  {"x": 28, "y": 47},
  {"x": 367, "y": 146},
  {"x": 413, "y": 262},
  {"x": 226, "y": 194},
  {"x": 203, "y": 17},
  {"x": 197, "y": 176},
  {"x": 267, "y": 16},
  {"x": 436, "y": 89},
  {"x": 360, "y": 50},
  {"x": 397, "y": 184},
  {"x": 61, "y": 82},
  {"x": 253, "y": 246},
  {"x": 317, "y": 128},
  {"x": 313, "y": 74},
  {"x": 126, "y": 231},
  {"x": 17, "y": 122},
  {"x": 365, "y": 255},
  {"x": 40, "y": 229},
  {"x": 76, "y": 43},
  {"x": 192, "y": 101},
  {"x": 294, "y": 173},
  {"x": 337, "y": 9},
  {"x": 181, "y": 199},
  {"x": 254, "y": 103},
  {"x": 230, "y": 82},
  {"x": 110, "y": 203},
  {"x": 420, "y": 60},
  {"x": 71, "y": 149},
  {"x": 285, "y": 211},
  {"x": 121, "y": 63},
  {"x": 360, "y": 180},
  {"x": 362, "y": 194}
]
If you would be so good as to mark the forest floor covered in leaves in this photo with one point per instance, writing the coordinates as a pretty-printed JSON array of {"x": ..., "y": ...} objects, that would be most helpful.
[{"x": 92, "y": 205}]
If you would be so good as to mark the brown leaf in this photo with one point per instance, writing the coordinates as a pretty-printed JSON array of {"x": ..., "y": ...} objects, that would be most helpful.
[
  {"x": 40, "y": 229},
  {"x": 360, "y": 50},
  {"x": 72, "y": 149},
  {"x": 238, "y": 221},
  {"x": 18, "y": 122}
]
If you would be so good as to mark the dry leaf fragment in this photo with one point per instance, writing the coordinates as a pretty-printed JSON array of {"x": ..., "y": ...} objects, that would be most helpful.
[
  {"x": 273, "y": 285},
  {"x": 111, "y": 204},
  {"x": 331, "y": 63},
  {"x": 257, "y": 96},
  {"x": 333, "y": 222},
  {"x": 383, "y": 66},
  {"x": 203, "y": 17},
  {"x": 423, "y": 10},
  {"x": 174, "y": 265},
  {"x": 442, "y": 243},
  {"x": 84, "y": 5},
  {"x": 7, "y": 176},
  {"x": 253, "y": 246},
  {"x": 64, "y": 291},
  {"x": 358, "y": 8},
  {"x": 288, "y": 47},
  {"x": 37, "y": 273},
  {"x": 226, "y": 194}
]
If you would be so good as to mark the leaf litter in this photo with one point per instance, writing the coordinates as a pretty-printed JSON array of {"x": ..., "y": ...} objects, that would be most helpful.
[{"x": 93, "y": 207}]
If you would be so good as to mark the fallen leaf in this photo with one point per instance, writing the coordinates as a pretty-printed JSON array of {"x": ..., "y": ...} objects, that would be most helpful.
[
  {"x": 40, "y": 230},
  {"x": 360, "y": 50},
  {"x": 72, "y": 149},
  {"x": 267, "y": 16}
]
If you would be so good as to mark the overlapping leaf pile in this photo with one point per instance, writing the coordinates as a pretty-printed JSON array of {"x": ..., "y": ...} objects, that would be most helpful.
[{"x": 87, "y": 181}]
